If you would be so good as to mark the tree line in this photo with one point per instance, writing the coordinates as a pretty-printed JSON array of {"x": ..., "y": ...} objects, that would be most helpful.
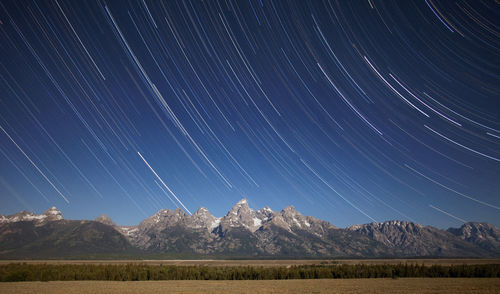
[{"x": 141, "y": 272}]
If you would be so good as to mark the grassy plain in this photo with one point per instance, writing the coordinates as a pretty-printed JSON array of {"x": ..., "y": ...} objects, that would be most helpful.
[
  {"x": 400, "y": 286},
  {"x": 262, "y": 262}
]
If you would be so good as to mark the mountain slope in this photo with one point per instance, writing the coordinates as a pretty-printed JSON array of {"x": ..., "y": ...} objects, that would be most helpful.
[
  {"x": 484, "y": 235},
  {"x": 104, "y": 219},
  {"x": 410, "y": 239},
  {"x": 48, "y": 236},
  {"x": 242, "y": 232},
  {"x": 52, "y": 214}
]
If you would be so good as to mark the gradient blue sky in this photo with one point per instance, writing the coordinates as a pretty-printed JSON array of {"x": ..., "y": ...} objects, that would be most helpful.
[{"x": 352, "y": 111}]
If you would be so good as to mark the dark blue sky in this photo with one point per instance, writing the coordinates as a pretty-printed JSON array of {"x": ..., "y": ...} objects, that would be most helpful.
[{"x": 352, "y": 111}]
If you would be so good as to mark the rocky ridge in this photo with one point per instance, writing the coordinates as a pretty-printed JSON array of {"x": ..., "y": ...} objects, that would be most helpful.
[
  {"x": 51, "y": 214},
  {"x": 242, "y": 232},
  {"x": 411, "y": 239},
  {"x": 485, "y": 235}
]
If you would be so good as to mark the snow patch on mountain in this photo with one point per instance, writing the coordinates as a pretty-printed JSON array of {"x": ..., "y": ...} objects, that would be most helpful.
[{"x": 52, "y": 214}]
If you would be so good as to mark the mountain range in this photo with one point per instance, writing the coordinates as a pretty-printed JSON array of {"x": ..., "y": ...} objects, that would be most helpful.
[{"x": 241, "y": 233}]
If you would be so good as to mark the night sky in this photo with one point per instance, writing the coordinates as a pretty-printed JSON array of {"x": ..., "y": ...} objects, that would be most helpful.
[{"x": 352, "y": 111}]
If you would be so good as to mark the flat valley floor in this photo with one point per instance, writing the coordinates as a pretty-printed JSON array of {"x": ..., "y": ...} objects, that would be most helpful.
[{"x": 400, "y": 286}]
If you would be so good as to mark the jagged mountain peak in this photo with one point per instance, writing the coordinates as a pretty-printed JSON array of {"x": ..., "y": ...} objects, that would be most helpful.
[
  {"x": 53, "y": 210},
  {"x": 22, "y": 215},
  {"x": 264, "y": 232},
  {"x": 105, "y": 219},
  {"x": 201, "y": 210},
  {"x": 477, "y": 226},
  {"x": 484, "y": 235},
  {"x": 290, "y": 210},
  {"x": 169, "y": 212},
  {"x": 354, "y": 227},
  {"x": 265, "y": 213},
  {"x": 179, "y": 211},
  {"x": 414, "y": 239},
  {"x": 240, "y": 208},
  {"x": 241, "y": 215},
  {"x": 388, "y": 230},
  {"x": 241, "y": 205},
  {"x": 53, "y": 214},
  {"x": 398, "y": 223},
  {"x": 295, "y": 219},
  {"x": 155, "y": 218},
  {"x": 202, "y": 218}
]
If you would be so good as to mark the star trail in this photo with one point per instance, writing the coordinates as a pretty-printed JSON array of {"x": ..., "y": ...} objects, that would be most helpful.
[{"x": 352, "y": 111}]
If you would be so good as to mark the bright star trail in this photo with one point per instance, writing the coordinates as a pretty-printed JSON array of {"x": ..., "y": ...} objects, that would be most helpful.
[{"x": 352, "y": 111}]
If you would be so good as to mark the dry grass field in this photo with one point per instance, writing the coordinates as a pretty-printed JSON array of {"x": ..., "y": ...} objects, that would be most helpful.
[
  {"x": 256, "y": 262},
  {"x": 400, "y": 286}
]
